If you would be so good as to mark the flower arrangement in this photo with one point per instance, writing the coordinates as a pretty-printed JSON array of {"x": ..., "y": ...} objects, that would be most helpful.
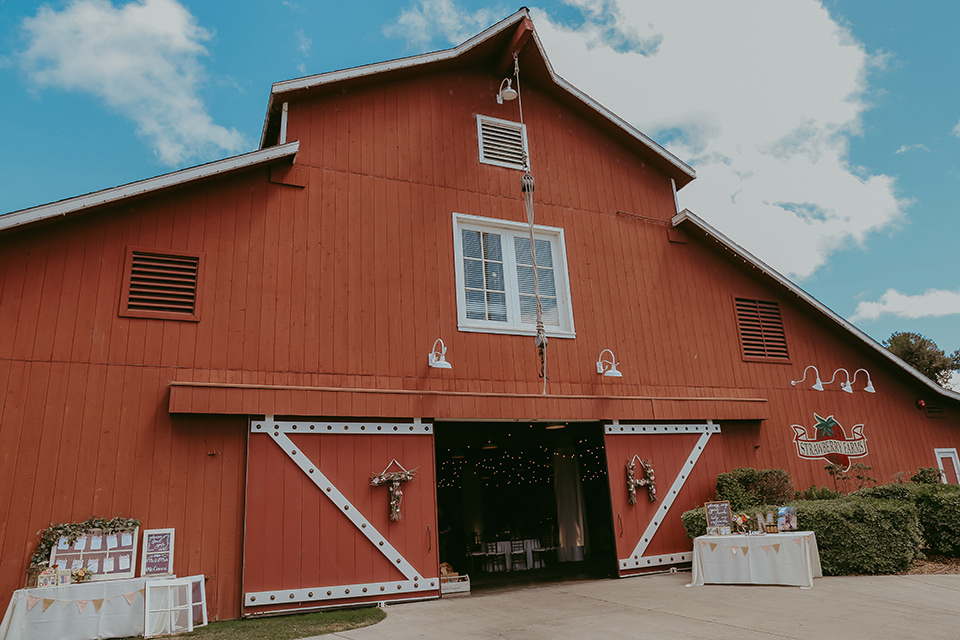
[
  {"x": 647, "y": 481},
  {"x": 81, "y": 575},
  {"x": 394, "y": 479}
]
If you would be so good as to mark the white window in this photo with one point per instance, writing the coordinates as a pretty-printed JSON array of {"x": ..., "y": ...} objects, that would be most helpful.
[
  {"x": 502, "y": 142},
  {"x": 494, "y": 266}
]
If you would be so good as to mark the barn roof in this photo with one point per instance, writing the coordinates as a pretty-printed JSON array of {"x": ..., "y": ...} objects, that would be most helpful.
[
  {"x": 688, "y": 219},
  {"x": 493, "y": 48},
  {"x": 141, "y": 187}
]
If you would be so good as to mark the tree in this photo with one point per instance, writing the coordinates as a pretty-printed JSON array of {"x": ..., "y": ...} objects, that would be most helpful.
[{"x": 923, "y": 355}]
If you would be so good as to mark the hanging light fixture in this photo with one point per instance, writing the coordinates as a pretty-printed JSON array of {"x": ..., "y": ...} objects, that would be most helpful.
[
  {"x": 506, "y": 92},
  {"x": 844, "y": 386},
  {"x": 608, "y": 367},
  {"x": 869, "y": 388},
  {"x": 438, "y": 359},
  {"x": 818, "y": 385}
]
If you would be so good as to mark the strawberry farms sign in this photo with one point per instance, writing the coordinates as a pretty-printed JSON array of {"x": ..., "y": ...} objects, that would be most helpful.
[{"x": 830, "y": 442}]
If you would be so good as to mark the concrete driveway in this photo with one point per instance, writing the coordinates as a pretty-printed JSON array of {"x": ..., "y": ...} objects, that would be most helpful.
[{"x": 660, "y": 606}]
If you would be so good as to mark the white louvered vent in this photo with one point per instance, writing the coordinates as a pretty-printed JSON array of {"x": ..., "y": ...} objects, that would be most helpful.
[{"x": 502, "y": 142}]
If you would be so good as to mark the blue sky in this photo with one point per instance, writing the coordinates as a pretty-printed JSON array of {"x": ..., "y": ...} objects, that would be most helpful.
[{"x": 825, "y": 135}]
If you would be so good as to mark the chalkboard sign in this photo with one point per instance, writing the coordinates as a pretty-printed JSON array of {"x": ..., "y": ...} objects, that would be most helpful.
[
  {"x": 157, "y": 552},
  {"x": 718, "y": 517}
]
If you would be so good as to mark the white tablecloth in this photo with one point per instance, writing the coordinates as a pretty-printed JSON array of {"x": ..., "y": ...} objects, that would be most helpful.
[
  {"x": 110, "y": 609},
  {"x": 790, "y": 558},
  {"x": 504, "y": 548}
]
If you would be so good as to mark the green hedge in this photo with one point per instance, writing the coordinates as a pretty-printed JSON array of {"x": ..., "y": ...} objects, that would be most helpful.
[
  {"x": 939, "y": 510},
  {"x": 745, "y": 486},
  {"x": 854, "y": 534}
]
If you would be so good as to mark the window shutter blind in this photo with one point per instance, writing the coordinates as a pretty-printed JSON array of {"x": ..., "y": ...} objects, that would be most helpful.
[{"x": 761, "y": 329}]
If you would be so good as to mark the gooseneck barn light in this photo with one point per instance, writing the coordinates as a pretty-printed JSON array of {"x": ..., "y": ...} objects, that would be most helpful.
[
  {"x": 506, "y": 92},
  {"x": 608, "y": 367},
  {"x": 845, "y": 385},
  {"x": 816, "y": 385},
  {"x": 438, "y": 358}
]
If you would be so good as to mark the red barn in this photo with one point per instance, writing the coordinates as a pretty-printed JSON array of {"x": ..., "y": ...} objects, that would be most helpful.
[{"x": 236, "y": 349}]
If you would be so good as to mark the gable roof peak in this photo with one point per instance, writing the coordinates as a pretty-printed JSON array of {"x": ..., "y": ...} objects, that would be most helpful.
[{"x": 515, "y": 34}]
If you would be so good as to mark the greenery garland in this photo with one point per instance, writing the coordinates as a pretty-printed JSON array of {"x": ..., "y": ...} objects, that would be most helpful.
[{"x": 50, "y": 536}]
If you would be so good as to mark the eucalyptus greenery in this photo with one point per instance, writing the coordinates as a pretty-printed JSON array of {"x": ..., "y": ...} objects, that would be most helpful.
[{"x": 50, "y": 536}]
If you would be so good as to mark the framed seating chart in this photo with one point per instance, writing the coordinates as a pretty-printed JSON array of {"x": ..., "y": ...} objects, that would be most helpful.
[
  {"x": 107, "y": 556},
  {"x": 157, "y": 559}
]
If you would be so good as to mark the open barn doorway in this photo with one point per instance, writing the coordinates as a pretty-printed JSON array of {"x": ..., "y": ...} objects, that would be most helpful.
[{"x": 524, "y": 502}]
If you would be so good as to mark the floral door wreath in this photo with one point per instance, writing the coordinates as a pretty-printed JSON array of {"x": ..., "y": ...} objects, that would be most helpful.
[
  {"x": 393, "y": 479},
  {"x": 647, "y": 481}
]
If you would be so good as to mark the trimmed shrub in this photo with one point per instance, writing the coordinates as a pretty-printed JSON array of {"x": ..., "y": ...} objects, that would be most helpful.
[
  {"x": 817, "y": 493},
  {"x": 938, "y": 506},
  {"x": 746, "y": 487},
  {"x": 857, "y": 535},
  {"x": 854, "y": 535}
]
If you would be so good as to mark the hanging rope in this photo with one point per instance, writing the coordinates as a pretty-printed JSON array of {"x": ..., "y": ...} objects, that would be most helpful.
[{"x": 526, "y": 189}]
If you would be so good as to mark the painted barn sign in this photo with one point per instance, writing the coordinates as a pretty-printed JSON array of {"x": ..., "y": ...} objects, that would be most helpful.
[{"x": 830, "y": 442}]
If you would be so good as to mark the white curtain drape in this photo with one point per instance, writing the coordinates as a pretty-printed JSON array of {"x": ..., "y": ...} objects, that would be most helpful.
[{"x": 569, "y": 494}]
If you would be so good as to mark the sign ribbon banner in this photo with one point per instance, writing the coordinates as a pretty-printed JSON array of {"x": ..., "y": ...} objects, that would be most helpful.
[{"x": 830, "y": 442}]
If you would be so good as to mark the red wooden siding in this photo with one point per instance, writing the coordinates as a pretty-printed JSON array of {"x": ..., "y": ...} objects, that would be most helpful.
[
  {"x": 295, "y": 537},
  {"x": 668, "y": 453},
  {"x": 323, "y": 295}
]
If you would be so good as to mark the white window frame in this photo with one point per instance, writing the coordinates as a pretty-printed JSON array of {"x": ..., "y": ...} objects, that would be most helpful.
[
  {"x": 508, "y": 230},
  {"x": 504, "y": 123},
  {"x": 947, "y": 454}
]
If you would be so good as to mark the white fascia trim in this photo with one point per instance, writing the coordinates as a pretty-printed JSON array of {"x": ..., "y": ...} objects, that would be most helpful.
[
  {"x": 106, "y": 196},
  {"x": 446, "y": 54},
  {"x": 688, "y": 216}
]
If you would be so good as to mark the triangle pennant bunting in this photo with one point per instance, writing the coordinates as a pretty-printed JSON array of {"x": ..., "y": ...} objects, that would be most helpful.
[
  {"x": 776, "y": 547},
  {"x": 47, "y": 602},
  {"x": 733, "y": 550},
  {"x": 713, "y": 546},
  {"x": 81, "y": 605},
  {"x": 129, "y": 597},
  {"x": 703, "y": 543},
  {"x": 32, "y": 602},
  {"x": 766, "y": 549},
  {"x": 98, "y": 603},
  {"x": 799, "y": 541},
  {"x": 745, "y": 549}
]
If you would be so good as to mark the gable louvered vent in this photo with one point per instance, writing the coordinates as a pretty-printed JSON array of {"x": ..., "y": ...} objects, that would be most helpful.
[
  {"x": 160, "y": 285},
  {"x": 502, "y": 142},
  {"x": 761, "y": 329}
]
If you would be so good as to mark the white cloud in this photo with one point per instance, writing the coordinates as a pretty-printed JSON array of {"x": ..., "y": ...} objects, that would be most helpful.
[
  {"x": 956, "y": 130},
  {"x": 429, "y": 19},
  {"x": 904, "y": 148},
  {"x": 142, "y": 59},
  {"x": 932, "y": 303},
  {"x": 760, "y": 96}
]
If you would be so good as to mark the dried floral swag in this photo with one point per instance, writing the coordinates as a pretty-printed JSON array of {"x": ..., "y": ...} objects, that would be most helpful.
[{"x": 647, "y": 481}]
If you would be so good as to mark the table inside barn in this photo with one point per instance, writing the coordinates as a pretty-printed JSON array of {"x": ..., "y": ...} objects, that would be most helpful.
[
  {"x": 788, "y": 558},
  {"x": 103, "y": 609}
]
